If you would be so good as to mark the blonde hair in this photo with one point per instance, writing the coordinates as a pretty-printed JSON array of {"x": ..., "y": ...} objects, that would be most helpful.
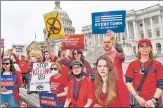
[
  {"x": 110, "y": 82},
  {"x": 58, "y": 66}
]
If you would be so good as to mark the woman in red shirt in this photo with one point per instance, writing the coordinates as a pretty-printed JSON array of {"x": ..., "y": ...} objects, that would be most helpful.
[
  {"x": 109, "y": 91},
  {"x": 151, "y": 90},
  {"x": 10, "y": 96},
  {"x": 80, "y": 88},
  {"x": 58, "y": 84}
]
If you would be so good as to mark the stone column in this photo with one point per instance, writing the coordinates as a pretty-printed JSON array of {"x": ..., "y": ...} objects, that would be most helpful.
[
  {"x": 136, "y": 35},
  {"x": 152, "y": 29},
  {"x": 160, "y": 26},
  {"x": 127, "y": 30},
  {"x": 144, "y": 29}
]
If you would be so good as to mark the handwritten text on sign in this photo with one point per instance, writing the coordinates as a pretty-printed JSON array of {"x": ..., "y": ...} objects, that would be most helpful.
[
  {"x": 73, "y": 42},
  {"x": 8, "y": 81},
  {"x": 40, "y": 77},
  {"x": 48, "y": 99}
]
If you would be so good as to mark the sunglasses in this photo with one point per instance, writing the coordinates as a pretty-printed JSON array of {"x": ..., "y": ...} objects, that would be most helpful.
[
  {"x": 77, "y": 53},
  {"x": 5, "y": 63},
  {"x": 53, "y": 69},
  {"x": 76, "y": 67},
  {"x": 38, "y": 58}
]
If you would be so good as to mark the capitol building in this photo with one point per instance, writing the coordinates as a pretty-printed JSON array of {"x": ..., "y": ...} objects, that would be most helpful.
[{"x": 143, "y": 23}]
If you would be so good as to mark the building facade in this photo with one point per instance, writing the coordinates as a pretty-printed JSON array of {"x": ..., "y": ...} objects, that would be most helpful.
[{"x": 143, "y": 23}]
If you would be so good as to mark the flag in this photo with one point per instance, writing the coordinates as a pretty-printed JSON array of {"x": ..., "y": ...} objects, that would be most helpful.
[{"x": 53, "y": 26}]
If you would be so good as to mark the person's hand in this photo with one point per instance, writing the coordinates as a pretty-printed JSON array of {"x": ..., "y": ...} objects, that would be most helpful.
[
  {"x": 3, "y": 89},
  {"x": 110, "y": 34},
  {"x": 149, "y": 104},
  {"x": 140, "y": 100}
]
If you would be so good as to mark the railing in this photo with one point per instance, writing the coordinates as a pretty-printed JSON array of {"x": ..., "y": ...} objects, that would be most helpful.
[{"x": 30, "y": 100}]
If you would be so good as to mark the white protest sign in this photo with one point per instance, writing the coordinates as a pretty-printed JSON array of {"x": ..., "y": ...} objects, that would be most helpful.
[
  {"x": 19, "y": 49},
  {"x": 40, "y": 77}
]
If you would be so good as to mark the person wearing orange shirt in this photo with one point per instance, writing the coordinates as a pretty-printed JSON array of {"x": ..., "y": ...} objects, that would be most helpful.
[
  {"x": 150, "y": 93},
  {"x": 80, "y": 88},
  {"x": 115, "y": 52}
]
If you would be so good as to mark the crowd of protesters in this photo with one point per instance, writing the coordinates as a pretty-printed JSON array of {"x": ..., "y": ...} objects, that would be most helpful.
[{"x": 80, "y": 86}]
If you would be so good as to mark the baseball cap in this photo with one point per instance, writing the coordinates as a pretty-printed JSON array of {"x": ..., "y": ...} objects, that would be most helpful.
[
  {"x": 76, "y": 63},
  {"x": 144, "y": 40}
]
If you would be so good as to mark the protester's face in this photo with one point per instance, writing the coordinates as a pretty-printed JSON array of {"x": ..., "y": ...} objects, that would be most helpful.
[
  {"x": 107, "y": 44},
  {"x": 102, "y": 68},
  {"x": 47, "y": 56},
  {"x": 6, "y": 65},
  {"x": 145, "y": 48},
  {"x": 76, "y": 69},
  {"x": 39, "y": 59},
  {"x": 77, "y": 55},
  {"x": 22, "y": 57}
]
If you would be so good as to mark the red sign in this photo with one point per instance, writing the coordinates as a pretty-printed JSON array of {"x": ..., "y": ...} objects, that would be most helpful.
[
  {"x": 2, "y": 43},
  {"x": 48, "y": 102},
  {"x": 73, "y": 42}
]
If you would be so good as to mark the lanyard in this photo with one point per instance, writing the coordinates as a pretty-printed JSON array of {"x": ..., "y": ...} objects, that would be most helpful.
[{"x": 73, "y": 90}]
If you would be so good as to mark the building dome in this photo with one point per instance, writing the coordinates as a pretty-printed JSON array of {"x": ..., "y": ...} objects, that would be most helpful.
[{"x": 58, "y": 9}]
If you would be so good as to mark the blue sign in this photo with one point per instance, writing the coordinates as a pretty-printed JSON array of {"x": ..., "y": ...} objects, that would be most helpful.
[
  {"x": 48, "y": 100},
  {"x": 112, "y": 20},
  {"x": 8, "y": 81}
]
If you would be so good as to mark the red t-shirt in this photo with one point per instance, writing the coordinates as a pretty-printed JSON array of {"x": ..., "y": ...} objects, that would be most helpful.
[
  {"x": 117, "y": 60},
  {"x": 121, "y": 100},
  {"x": 57, "y": 86},
  {"x": 85, "y": 93},
  {"x": 23, "y": 64},
  {"x": 150, "y": 84},
  {"x": 65, "y": 71}
]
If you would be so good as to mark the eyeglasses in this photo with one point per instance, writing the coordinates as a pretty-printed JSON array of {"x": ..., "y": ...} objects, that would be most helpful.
[
  {"x": 38, "y": 58},
  {"x": 76, "y": 67},
  {"x": 53, "y": 68},
  {"x": 5, "y": 63}
]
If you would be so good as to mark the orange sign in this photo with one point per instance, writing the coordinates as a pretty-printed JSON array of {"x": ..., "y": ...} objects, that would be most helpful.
[{"x": 73, "y": 42}]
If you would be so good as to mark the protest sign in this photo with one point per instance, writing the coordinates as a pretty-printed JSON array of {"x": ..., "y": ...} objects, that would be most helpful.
[
  {"x": 47, "y": 99},
  {"x": 40, "y": 77},
  {"x": 73, "y": 42},
  {"x": 19, "y": 49},
  {"x": 111, "y": 20},
  {"x": 53, "y": 26},
  {"x": 2, "y": 43},
  {"x": 8, "y": 81}
]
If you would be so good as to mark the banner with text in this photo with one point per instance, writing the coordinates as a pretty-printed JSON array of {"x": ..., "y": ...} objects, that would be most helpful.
[
  {"x": 47, "y": 99},
  {"x": 19, "y": 49},
  {"x": 40, "y": 77},
  {"x": 73, "y": 42},
  {"x": 111, "y": 20},
  {"x": 8, "y": 81}
]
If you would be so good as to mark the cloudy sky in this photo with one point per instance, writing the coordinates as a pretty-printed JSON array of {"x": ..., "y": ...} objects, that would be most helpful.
[{"x": 20, "y": 19}]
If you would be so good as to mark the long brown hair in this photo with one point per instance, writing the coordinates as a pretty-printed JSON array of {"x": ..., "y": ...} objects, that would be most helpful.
[
  {"x": 151, "y": 57},
  {"x": 110, "y": 82},
  {"x": 79, "y": 51}
]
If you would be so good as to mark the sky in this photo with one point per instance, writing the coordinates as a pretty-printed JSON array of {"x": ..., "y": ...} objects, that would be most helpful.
[{"x": 21, "y": 19}]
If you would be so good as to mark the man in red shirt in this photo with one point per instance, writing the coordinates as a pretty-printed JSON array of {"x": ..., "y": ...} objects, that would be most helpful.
[
  {"x": 23, "y": 64},
  {"x": 115, "y": 52}
]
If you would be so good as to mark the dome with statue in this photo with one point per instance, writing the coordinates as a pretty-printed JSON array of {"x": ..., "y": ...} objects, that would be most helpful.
[{"x": 65, "y": 20}]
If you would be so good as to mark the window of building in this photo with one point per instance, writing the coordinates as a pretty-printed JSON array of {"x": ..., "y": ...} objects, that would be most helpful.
[
  {"x": 141, "y": 25},
  {"x": 157, "y": 32},
  {"x": 149, "y": 33}
]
